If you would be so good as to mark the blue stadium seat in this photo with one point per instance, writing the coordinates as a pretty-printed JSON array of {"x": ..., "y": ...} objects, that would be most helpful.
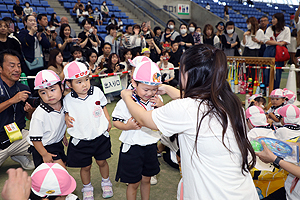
[
  {"x": 20, "y": 25},
  {"x": 45, "y": 3},
  {"x": 5, "y": 15},
  {"x": 49, "y": 11},
  {"x": 68, "y": 5},
  {"x": 116, "y": 8},
  {"x": 10, "y": 8},
  {"x": 8, "y": 2},
  {"x": 41, "y": 10},
  {"x": 131, "y": 22},
  {"x": 102, "y": 35},
  {"x": 123, "y": 15},
  {"x": 3, "y": 8},
  {"x": 109, "y": 3}
]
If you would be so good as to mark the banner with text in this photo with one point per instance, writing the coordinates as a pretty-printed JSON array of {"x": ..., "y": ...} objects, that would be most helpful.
[{"x": 111, "y": 84}]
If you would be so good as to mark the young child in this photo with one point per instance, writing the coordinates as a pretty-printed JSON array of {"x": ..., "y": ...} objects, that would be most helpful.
[
  {"x": 290, "y": 96},
  {"x": 167, "y": 70},
  {"x": 47, "y": 126},
  {"x": 89, "y": 123},
  {"x": 290, "y": 121},
  {"x": 50, "y": 181},
  {"x": 76, "y": 53},
  {"x": 277, "y": 101},
  {"x": 257, "y": 100},
  {"x": 138, "y": 156}
]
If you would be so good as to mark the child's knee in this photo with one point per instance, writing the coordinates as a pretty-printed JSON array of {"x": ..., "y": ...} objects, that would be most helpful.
[
  {"x": 102, "y": 163},
  {"x": 87, "y": 168}
]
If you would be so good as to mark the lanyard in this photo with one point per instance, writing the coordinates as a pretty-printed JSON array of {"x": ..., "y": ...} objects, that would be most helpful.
[
  {"x": 134, "y": 97},
  {"x": 14, "y": 105}
]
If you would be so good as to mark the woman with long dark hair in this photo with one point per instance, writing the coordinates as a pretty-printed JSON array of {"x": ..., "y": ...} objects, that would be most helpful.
[
  {"x": 65, "y": 41},
  {"x": 216, "y": 155},
  {"x": 56, "y": 63},
  {"x": 277, "y": 34}
]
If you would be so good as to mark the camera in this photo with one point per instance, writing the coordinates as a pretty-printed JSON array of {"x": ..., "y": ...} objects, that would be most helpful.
[
  {"x": 40, "y": 28},
  {"x": 52, "y": 31},
  {"x": 33, "y": 101},
  {"x": 122, "y": 66}
]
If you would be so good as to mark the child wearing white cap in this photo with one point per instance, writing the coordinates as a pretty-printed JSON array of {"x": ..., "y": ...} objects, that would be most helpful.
[
  {"x": 47, "y": 126},
  {"x": 138, "y": 156},
  {"x": 290, "y": 96},
  {"x": 291, "y": 123},
  {"x": 50, "y": 181},
  {"x": 88, "y": 124},
  {"x": 277, "y": 100}
]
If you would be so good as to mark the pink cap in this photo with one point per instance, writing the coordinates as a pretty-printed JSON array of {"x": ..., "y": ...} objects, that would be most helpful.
[
  {"x": 256, "y": 116},
  {"x": 290, "y": 114},
  {"x": 277, "y": 93},
  {"x": 138, "y": 60},
  {"x": 148, "y": 73},
  {"x": 290, "y": 96},
  {"x": 75, "y": 70},
  {"x": 253, "y": 97},
  {"x": 51, "y": 179},
  {"x": 45, "y": 78}
]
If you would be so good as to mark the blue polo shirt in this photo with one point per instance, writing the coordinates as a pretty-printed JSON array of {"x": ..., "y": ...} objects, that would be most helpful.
[{"x": 7, "y": 116}]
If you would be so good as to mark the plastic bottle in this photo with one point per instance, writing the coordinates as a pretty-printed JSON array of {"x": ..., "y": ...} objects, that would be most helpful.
[
  {"x": 267, "y": 92},
  {"x": 250, "y": 86},
  {"x": 263, "y": 89},
  {"x": 246, "y": 100},
  {"x": 23, "y": 79}
]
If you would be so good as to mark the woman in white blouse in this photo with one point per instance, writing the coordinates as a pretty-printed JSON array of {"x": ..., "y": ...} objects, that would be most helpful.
[{"x": 277, "y": 34}]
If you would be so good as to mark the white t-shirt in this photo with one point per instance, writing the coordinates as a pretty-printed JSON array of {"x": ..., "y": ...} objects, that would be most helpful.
[
  {"x": 295, "y": 195},
  {"x": 213, "y": 172},
  {"x": 249, "y": 42},
  {"x": 284, "y": 133},
  {"x": 275, "y": 112},
  {"x": 47, "y": 125},
  {"x": 143, "y": 136},
  {"x": 284, "y": 35},
  {"x": 298, "y": 29},
  {"x": 165, "y": 70},
  {"x": 292, "y": 47},
  {"x": 90, "y": 121}
]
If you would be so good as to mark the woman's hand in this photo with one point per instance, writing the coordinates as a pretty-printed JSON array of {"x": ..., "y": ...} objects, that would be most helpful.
[
  {"x": 69, "y": 40},
  {"x": 126, "y": 93},
  {"x": 247, "y": 33},
  {"x": 267, "y": 156},
  {"x": 161, "y": 89}
]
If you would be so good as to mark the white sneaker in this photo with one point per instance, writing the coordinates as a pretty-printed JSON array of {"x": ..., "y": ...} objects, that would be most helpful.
[
  {"x": 88, "y": 193},
  {"x": 153, "y": 180},
  {"x": 25, "y": 162}
]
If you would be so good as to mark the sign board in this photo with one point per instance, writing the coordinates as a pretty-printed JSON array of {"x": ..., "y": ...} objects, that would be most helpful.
[
  {"x": 111, "y": 84},
  {"x": 183, "y": 9}
]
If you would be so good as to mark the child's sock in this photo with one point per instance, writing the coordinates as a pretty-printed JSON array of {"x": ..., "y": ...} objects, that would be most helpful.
[
  {"x": 106, "y": 182},
  {"x": 105, "y": 179},
  {"x": 88, "y": 185}
]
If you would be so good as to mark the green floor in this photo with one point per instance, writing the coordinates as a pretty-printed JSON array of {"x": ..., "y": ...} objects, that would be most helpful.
[{"x": 168, "y": 177}]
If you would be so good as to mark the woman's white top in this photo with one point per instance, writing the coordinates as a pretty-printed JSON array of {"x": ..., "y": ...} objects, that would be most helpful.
[
  {"x": 260, "y": 36},
  {"x": 284, "y": 35}
]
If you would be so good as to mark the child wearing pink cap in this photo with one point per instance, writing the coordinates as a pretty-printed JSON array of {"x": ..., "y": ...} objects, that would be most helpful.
[
  {"x": 277, "y": 100},
  {"x": 257, "y": 100},
  {"x": 88, "y": 124},
  {"x": 291, "y": 123},
  {"x": 290, "y": 96},
  {"x": 138, "y": 156},
  {"x": 47, "y": 126}
]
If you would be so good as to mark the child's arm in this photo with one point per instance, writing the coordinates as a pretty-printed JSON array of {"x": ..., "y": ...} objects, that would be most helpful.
[
  {"x": 130, "y": 125},
  {"x": 65, "y": 140},
  {"x": 272, "y": 116},
  {"x": 69, "y": 120},
  {"x": 157, "y": 102},
  {"x": 47, "y": 157},
  {"x": 107, "y": 117}
]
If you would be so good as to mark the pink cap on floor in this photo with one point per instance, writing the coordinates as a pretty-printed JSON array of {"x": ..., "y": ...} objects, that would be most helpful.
[
  {"x": 256, "y": 116},
  {"x": 45, "y": 78},
  {"x": 290, "y": 114},
  {"x": 75, "y": 70},
  {"x": 51, "y": 179}
]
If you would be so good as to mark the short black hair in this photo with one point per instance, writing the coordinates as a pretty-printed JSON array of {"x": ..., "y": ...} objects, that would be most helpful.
[
  {"x": 86, "y": 20},
  {"x": 156, "y": 28},
  {"x": 171, "y": 20},
  {"x": 8, "y": 52},
  {"x": 75, "y": 48},
  {"x": 110, "y": 27},
  {"x": 40, "y": 16},
  {"x": 106, "y": 43},
  {"x": 127, "y": 26}
]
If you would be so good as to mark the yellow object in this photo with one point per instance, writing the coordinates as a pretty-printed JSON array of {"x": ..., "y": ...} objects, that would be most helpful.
[{"x": 13, "y": 132}]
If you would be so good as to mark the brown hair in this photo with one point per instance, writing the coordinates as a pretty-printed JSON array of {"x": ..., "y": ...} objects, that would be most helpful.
[
  {"x": 206, "y": 27},
  {"x": 254, "y": 24}
]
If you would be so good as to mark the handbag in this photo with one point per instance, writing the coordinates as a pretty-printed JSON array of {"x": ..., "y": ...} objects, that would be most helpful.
[
  {"x": 38, "y": 61},
  {"x": 282, "y": 54}
]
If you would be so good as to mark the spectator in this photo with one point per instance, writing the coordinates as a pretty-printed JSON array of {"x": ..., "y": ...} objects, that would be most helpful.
[
  {"x": 7, "y": 42},
  {"x": 65, "y": 41},
  {"x": 13, "y": 109},
  {"x": 230, "y": 40},
  {"x": 157, "y": 36},
  {"x": 102, "y": 60},
  {"x": 292, "y": 47},
  {"x": 91, "y": 15},
  {"x": 138, "y": 42},
  {"x": 167, "y": 74},
  {"x": 12, "y": 33},
  {"x": 113, "y": 20},
  {"x": 81, "y": 14},
  {"x": 220, "y": 29},
  {"x": 54, "y": 20},
  {"x": 175, "y": 55},
  {"x": 42, "y": 20},
  {"x": 277, "y": 34},
  {"x": 197, "y": 37},
  {"x": 104, "y": 10},
  {"x": 18, "y": 11},
  {"x": 263, "y": 25},
  {"x": 32, "y": 43},
  {"x": 56, "y": 63},
  {"x": 155, "y": 51},
  {"x": 125, "y": 61},
  {"x": 98, "y": 16},
  {"x": 76, "y": 53},
  {"x": 209, "y": 37},
  {"x": 113, "y": 39},
  {"x": 99, "y": 40},
  {"x": 27, "y": 10},
  {"x": 226, "y": 13},
  {"x": 91, "y": 58},
  {"x": 127, "y": 37},
  {"x": 51, "y": 27},
  {"x": 112, "y": 64},
  {"x": 87, "y": 36},
  {"x": 89, "y": 5},
  {"x": 185, "y": 40},
  {"x": 64, "y": 20},
  {"x": 171, "y": 26},
  {"x": 147, "y": 32},
  {"x": 207, "y": 7},
  {"x": 76, "y": 6}
]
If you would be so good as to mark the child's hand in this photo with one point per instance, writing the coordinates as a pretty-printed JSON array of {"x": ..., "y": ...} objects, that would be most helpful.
[
  {"x": 109, "y": 126},
  {"x": 69, "y": 120},
  {"x": 48, "y": 157},
  {"x": 270, "y": 121},
  {"x": 65, "y": 140},
  {"x": 156, "y": 101},
  {"x": 132, "y": 124}
]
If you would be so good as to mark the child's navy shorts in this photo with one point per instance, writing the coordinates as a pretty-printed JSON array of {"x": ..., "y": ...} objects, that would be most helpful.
[
  {"x": 81, "y": 154},
  {"x": 137, "y": 161},
  {"x": 55, "y": 148}
]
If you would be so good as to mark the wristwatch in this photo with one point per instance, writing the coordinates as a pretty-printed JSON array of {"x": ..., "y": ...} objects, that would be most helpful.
[{"x": 276, "y": 162}]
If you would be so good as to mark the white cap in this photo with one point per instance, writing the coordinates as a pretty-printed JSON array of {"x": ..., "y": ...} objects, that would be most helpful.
[
  {"x": 290, "y": 114},
  {"x": 256, "y": 116},
  {"x": 45, "y": 78}
]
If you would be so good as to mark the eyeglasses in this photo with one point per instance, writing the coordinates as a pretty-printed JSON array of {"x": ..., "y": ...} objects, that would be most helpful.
[{"x": 264, "y": 20}]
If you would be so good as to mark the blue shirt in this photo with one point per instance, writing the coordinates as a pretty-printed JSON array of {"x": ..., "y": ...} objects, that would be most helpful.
[{"x": 7, "y": 116}]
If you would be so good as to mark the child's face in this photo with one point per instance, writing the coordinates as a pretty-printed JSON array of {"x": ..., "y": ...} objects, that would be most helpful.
[
  {"x": 145, "y": 91},
  {"x": 175, "y": 46},
  {"x": 168, "y": 31},
  {"x": 147, "y": 55},
  {"x": 77, "y": 54},
  {"x": 51, "y": 95},
  {"x": 80, "y": 86},
  {"x": 277, "y": 101}
]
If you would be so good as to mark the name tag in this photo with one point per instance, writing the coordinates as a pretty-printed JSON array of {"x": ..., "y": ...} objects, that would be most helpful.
[{"x": 13, "y": 132}]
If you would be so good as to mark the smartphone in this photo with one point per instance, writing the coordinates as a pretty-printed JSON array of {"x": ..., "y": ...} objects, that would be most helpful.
[
  {"x": 252, "y": 36},
  {"x": 12, "y": 26},
  {"x": 40, "y": 28}
]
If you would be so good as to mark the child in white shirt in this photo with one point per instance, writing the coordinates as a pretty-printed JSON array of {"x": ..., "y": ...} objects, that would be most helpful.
[
  {"x": 47, "y": 126},
  {"x": 88, "y": 121},
  {"x": 138, "y": 155},
  {"x": 277, "y": 100}
]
